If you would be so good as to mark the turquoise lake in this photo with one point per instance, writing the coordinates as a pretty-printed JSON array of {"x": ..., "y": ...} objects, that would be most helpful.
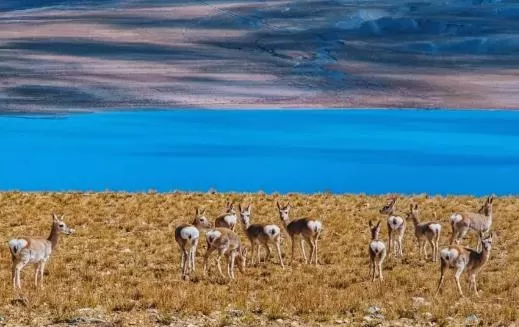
[{"x": 339, "y": 151}]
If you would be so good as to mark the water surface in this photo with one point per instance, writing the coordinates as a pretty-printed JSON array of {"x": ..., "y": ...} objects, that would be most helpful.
[{"x": 368, "y": 151}]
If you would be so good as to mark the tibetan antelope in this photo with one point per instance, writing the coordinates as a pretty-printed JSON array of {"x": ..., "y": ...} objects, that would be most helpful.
[
  {"x": 260, "y": 234},
  {"x": 307, "y": 229},
  {"x": 465, "y": 259},
  {"x": 187, "y": 238},
  {"x": 35, "y": 250},
  {"x": 395, "y": 227},
  {"x": 228, "y": 244},
  {"x": 425, "y": 232},
  {"x": 228, "y": 219},
  {"x": 377, "y": 252},
  {"x": 481, "y": 221}
]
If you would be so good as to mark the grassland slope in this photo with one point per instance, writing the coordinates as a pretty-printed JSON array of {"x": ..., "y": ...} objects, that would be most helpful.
[{"x": 121, "y": 267}]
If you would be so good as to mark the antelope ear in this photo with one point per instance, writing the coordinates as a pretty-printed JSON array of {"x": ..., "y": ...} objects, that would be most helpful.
[
  {"x": 288, "y": 206},
  {"x": 197, "y": 211},
  {"x": 54, "y": 217},
  {"x": 202, "y": 211},
  {"x": 249, "y": 208},
  {"x": 378, "y": 224},
  {"x": 370, "y": 224},
  {"x": 416, "y": 206},
  {"x": 411, "y": 207},
  {"x": 239, "y": 207},
  {"x": 277, "y": 203}
]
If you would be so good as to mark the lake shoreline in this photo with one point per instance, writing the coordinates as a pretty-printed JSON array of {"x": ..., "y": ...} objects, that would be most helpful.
[
  {"x": 79, "y": 111},
  {"x": 251, "y": 194}
]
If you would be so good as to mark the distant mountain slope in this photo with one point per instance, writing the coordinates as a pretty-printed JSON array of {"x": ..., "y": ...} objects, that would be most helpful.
[
  {"x": 10, "y": 5},
  {"x": 257, "y": 53}
]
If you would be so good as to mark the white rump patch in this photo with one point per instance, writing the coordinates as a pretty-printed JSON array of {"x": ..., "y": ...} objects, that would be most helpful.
[
  {"x": 395, "y": 221},
  {"x": 189, "y": 233},
  {"x": 272, "y": 230},
  {"x": 314, "y": 225},
  {"x": 212, "y": 235},
  {"x": 436, "y": 228},
  {"x": 449, "y": 255},
  {"x": 230, "y": 219},
  {"x": 16, "y": 245},
  {"x": 377, "y": 246},
  {"x": 456, "y": 218}
]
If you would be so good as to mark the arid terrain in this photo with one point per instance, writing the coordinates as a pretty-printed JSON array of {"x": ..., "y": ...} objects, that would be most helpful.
[
  {"x": 71, "y": 55},
  {"x": 121, "y": 267}
]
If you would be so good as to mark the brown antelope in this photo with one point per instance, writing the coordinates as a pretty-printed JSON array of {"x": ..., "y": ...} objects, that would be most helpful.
[
  {"x": 465, "y": 259},
  {"x": 228, "y": 244},
  {"x": 35, "y": 250},
  {"x": 227, "y": 219},
  {"x": 260, "y": 234},
  {"x": 377, "y": 252},
  {"x": 481, "y": 221},
  {"x": 396, "y": 226},
  {"x": 187, "y": 238},
  {"x": 425, "y": 232},
  {"x": 306, "y": 229}
]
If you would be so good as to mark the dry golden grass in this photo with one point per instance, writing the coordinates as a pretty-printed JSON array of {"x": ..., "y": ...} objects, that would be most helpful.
[{"x": 123, "y": 263}]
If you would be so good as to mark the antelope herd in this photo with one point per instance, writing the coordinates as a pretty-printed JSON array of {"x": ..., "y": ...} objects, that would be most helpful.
[
  {"x": 454, "y": 256},
  {"x": 221, "y": 238}
]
